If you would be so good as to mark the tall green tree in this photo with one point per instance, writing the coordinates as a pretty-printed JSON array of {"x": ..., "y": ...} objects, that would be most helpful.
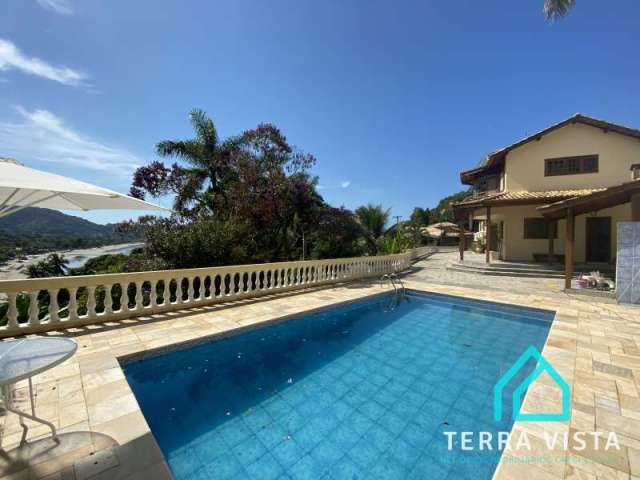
[
  {"x": 249, "y": 198},
  {"x": 556, "y": 9},
  {"x": 195, "y": 183}
]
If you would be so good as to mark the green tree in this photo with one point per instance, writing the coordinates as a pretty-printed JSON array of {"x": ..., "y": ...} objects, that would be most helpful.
[
  {"x": 556, "y": 9},
  {"x": 374, "y": 219},
  {"x": 419, "y": 216},
  {"x": 54, "y": 265},
  {"x": 202, "y": 242},
  {"x": 338, "y": 234},
  {"x": 443, "y": 212},
  {"x": 393, "y": 243}
]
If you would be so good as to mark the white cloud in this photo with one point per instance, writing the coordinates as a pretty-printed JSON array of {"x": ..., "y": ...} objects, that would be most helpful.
[
  {"x": 63, "y": 7},
  {"x": 12, "y": 58},
  {"x": 41, "y": 135},
  {"x": 342, "y": 184}
]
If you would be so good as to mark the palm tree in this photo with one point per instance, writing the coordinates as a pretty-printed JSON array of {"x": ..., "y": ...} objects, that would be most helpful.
[
  {"x": 556, "y": 9},
  {"x": 54, "y": 265},
  {"x": 374, "y": 220},
  {"x": 208, "y": 162}
]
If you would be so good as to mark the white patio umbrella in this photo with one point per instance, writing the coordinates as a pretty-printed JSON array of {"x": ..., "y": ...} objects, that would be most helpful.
[{"x": 22, "y": 187}]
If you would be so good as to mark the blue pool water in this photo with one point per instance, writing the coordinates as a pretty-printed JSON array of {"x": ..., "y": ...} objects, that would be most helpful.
[{"x": 363, "y": 391}]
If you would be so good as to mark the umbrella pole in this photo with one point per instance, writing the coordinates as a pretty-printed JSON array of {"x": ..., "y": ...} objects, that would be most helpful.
[{"x": 8, "y": 210}]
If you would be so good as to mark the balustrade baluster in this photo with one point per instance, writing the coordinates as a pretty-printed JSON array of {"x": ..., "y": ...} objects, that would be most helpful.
[
  {"x": 139, "y": 298},
  {"x": 73, "y": 304},
  {"x": 33, "y": 308},
  {"x": 179, "y": 290},
  {"x": 190, "y": 289},
  {"x": 12, "y": 311},
  {"x": 54, "y": 316},
  {"x": 108, "y": 300},
  {"x": 91, "y": 301},
  {"x": 153, "y": 295},
  {"x": 166, "y": 293}
]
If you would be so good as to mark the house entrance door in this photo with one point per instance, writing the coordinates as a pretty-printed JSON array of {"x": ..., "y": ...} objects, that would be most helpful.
[{"x": 598, "y": 239}]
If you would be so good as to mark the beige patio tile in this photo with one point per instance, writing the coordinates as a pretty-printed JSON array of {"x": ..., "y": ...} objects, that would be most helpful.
[
  {"x": 609, "y": 403},
  {"x": 617, "y": 423},
  {"x": 573, "y": 473},
  {"x": 101, "y": 462},
  {"x": 112, "y": 408},
  {"x": 72, "y": 414},
  {"x": 628, "y": 388},
  {"x": 613, "y": 458},
  {"x": 594, "y": 348},
  {"x": 582, "y": 421},
  {"x": 506, "y": 469},
  {"x": 124, "y": 428}
]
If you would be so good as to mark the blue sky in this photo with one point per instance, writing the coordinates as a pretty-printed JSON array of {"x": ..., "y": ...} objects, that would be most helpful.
[{"x": 394, "y": 98}]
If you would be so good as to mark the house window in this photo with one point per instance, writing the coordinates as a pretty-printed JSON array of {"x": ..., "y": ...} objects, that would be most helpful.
[
  {"x": 487, "y": 184},
  {"x": 537, "y": 228},
  {"x": 570, "y": 165}
]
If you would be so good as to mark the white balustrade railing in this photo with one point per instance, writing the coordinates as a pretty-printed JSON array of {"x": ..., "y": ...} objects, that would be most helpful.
[{"x": 37, "y": 305}]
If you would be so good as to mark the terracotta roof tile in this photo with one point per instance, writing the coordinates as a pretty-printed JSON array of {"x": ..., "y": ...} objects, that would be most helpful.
[{"x": 523, "y": 196}]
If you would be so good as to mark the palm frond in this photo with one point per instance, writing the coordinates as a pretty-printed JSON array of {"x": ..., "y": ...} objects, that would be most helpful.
[
  {"x": 204, "y": 127},
  {"x": 556, "y": 9},
  {"x": 373, "y": 218},
  {"x": 189, "y": 150}
]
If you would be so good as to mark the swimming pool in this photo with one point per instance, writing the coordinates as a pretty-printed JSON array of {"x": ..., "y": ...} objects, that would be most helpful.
[{"x": 363, "y": 390}]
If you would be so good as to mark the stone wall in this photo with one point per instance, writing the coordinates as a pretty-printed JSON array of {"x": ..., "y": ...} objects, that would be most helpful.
[{"x": 628, "y": 263}]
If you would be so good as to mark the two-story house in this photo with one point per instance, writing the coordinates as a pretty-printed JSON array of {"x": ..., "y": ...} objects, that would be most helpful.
[{"x": 581, "y": 171}]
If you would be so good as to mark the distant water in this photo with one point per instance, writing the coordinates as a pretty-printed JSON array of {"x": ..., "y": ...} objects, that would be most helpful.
[{"x": 78, "y": 260}]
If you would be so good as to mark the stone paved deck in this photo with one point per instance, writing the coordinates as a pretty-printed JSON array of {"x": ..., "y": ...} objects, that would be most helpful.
[{"x": 595, "y": 347}]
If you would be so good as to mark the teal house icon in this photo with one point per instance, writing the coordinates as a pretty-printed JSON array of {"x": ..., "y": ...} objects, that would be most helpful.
[{"x": 542, "y": 366}]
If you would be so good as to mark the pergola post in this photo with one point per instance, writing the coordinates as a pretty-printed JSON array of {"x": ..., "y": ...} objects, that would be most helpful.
[
  {"x": 568, "y": 248},
  {"x": 462, "y": 241},
  {"x": 551, "y": 232},
  {"x": 635, "y": 207},
  {"x": 488, "y": 236}
]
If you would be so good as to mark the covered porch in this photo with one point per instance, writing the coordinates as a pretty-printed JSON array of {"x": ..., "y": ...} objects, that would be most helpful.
[
  {"x": 511, "y": 228},
  {"x": 576, "y": 231},
  {"x": 569, "y": 209}
]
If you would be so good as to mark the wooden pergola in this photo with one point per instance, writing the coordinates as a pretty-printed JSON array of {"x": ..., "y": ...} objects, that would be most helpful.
[
  {"x": 485, "y": 204},
  {"x": 570, "y": 208}
]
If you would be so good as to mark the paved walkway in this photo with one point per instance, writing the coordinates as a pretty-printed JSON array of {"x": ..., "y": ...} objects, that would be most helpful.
[
  {"x": 594, "y": 346},
  {"x": 433, "y": 270}
]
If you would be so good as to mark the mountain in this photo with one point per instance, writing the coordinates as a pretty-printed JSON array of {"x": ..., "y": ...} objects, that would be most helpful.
[
  {"x": 36, "y": 230},
  {"x": 43, "y": 221}
]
